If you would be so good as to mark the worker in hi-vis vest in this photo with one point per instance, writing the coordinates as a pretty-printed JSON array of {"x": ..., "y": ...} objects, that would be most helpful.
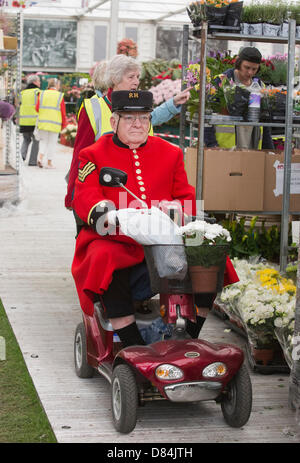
[
  {"x": 226, "y": 136},
  {"x": 28, "y": 117},
  {"x": 51, "y": 120},
  {"x": 120, "y": 73}
]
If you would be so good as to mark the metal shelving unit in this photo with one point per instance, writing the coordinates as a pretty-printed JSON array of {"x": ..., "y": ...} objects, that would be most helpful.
[
  {"x": 288, "y": 125},
  {"x": 9, "y": 177}
]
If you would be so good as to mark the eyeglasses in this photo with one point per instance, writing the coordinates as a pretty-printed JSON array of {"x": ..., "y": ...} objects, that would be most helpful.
[{"x": 130, "y": 118}]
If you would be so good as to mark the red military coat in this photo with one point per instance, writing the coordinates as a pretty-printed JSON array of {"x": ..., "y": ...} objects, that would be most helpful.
[{"x": 155, "y": 172}]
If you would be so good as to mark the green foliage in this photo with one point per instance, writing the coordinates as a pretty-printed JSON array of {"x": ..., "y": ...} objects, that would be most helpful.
[
  {"x": 272, "y": 11},
  {"x": 156, "y": 68},
  {"x": 206, "y": 255},
  {"x": 253, "y": 241},
  {"x": 72, "y": 78},
  {"x": 294, "y": 11}
]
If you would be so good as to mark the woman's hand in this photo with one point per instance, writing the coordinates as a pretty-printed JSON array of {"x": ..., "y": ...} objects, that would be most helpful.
[{"x": 182, "y": 97}]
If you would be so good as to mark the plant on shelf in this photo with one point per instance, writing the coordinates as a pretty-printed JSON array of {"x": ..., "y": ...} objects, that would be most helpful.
[
  {"x": 252, "y": 13},
  {"x": 218, "y": 62},
  {"x": 214, "y": 97},
  {"x": 236, "y": 97},
  {"x": 275, "y": 12},
  {"x": 212, "y": 11},
  {"x": 273, "y": 103},
  {"x": 294, "y": 11}
]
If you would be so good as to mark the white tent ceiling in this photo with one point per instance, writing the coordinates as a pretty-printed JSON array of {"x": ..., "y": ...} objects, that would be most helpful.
[{"x": 144, "y": 10}]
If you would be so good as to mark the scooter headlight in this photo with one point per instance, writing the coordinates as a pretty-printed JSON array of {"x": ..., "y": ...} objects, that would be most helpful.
[
  {"x": 168, "y": 372},
  {"x": 214, "y": 370}
]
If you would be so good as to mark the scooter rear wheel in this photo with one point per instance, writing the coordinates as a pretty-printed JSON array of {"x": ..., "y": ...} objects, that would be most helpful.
[
  {"x": 124, "y": 399},
  {"x": 82, "y": 368},
  {"x": 237, "y": 402}
]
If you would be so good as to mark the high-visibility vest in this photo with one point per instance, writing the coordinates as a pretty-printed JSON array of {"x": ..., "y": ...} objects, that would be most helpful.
[
  {"x": 226, "y": 135},
  {"x": 99, "y": 116},
  {"x": 28, "y": 113},
  {"x": 49, "y": 111}
]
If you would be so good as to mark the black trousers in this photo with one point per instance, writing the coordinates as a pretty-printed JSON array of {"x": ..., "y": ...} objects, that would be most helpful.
[{"x": 119, "y": 297}]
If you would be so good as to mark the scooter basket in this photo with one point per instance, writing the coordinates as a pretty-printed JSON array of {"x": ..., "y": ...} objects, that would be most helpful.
[{"x": 172, "y": 286}]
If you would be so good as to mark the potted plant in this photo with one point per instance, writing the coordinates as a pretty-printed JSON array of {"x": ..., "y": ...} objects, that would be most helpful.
[
  {"x": 236, "y": 96},
  {"x": 206, "y": 247},
  {"x": 214, "y": 96},
  {"x": 273, "y": 16},
  {"x": 68, "y": 135},
  {"x": 273, "y": 103},
  {"x": 234, "y": 15},
  {"x": 294, "y": 13},
  {"x": 215, "y": 13},
  {"x": 253, "y": 13}
]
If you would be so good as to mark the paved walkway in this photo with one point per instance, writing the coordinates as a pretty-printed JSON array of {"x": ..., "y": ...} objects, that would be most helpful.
[{"x": 38, "y": 293}]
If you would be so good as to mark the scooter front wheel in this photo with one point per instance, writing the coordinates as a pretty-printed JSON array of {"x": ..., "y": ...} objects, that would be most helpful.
[
  {"x": 82, "y": 368},
  {"x": 124, "y": 399},
  {"x": 236, "y": 404}
]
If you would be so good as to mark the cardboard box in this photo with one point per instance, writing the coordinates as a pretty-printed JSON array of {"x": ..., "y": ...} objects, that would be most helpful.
[
  {"x": 273, "y": 183},
  {"x": 232, "y": 180},
  {"x": 10, "y": 43},
  {"x": 190, "y": 162}
]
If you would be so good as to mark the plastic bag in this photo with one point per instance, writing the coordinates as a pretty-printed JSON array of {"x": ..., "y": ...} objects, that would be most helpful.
[
  {"x": 157, "y": 331},
  {"x": 154, "y": 227}
]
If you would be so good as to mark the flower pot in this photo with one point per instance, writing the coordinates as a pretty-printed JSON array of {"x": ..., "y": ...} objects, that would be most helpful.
[
  {"x": 215, "y": 16},
  {"x": 284, "y": 30},
  {"x": 233, "y": 15},
  {"x": 244, "y": 28},
  {"x": 264, "y": 356},
  {"x": 270, "y": 30},
  {"x": 204, "y": 279},
  {"x": 255, "y": 29}
]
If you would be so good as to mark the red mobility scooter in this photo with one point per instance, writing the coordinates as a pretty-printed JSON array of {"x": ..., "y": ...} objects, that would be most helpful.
[{"x": 178, "y": 369}]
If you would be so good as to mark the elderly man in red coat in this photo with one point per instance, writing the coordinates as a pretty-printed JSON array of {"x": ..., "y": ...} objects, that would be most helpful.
[{"x": 104, "y": 262}]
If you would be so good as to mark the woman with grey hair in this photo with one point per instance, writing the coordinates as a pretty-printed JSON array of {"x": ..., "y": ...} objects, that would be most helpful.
[
  {"x": 98, "y": 78},
  {"x": 122, "y": 73}
]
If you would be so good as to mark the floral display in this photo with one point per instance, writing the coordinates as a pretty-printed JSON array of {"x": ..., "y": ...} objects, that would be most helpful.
[
  {"x": 165, "y": 90},
  {"x": 68, "y": 134},
  {"x": 263, "y": 301},
  {"x": 236, "y": 97},
  {"x": 127, "y": 47},
  {"x": 214, "y": 97},
  {"x": 156, "y": 70},
  {"x": 216, "y": 13}
]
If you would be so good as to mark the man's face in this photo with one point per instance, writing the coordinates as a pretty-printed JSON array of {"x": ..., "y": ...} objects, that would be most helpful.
[
  {"x": 248, "y": 70},
  {"x": 132, "y": 128},
  {"x": 130, "y": 81}
]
